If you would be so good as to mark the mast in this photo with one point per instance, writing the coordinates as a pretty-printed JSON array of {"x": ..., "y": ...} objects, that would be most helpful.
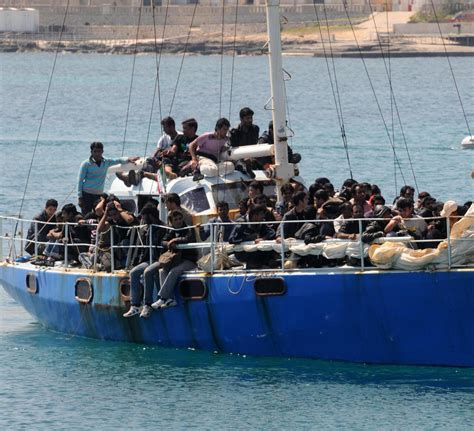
[{"x": 282, "y": 171}]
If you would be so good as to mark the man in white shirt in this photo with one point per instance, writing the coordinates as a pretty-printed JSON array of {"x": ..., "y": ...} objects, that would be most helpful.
[{"x": 169, "y": 133}]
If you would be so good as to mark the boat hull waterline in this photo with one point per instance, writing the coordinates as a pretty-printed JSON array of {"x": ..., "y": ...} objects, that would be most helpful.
[{"x": 383, "y": 317}]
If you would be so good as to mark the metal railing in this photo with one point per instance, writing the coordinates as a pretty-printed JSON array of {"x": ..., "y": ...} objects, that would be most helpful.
[{"x": 15, "y": 244}]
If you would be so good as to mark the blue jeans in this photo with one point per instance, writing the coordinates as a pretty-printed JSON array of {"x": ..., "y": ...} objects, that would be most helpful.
[
  {"x": 150, "y": 275},
  {"x": 168, "y": 278}
]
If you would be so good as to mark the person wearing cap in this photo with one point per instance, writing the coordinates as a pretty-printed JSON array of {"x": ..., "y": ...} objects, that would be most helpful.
[
  {"x": 375, "y": 229},
  {"x": 450, "y": 210}
]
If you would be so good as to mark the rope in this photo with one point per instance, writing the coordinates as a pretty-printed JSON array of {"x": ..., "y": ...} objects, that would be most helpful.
[
  {"x": 131, "y": 79},
  {"x": 334, "y": 86},
  {"x": 233, "y": 59},
  {"x": 373, "y": 91},
  {"x": 42, "y": 117},
  {"x": 392, "y": 94},
  {"x": 182, "y": 58},
  {"x": 451, "y": 69}
]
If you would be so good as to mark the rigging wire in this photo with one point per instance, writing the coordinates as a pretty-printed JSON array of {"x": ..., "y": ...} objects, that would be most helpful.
[
  {"x": 42, "y": 116},
  {"x": 182, "y": 58},
  {"x": 156, "y": 89},
  {"x": 222, "y": 60},
  {"x": 334, "y": 86},
  {"x": 131, "y": 79},
  {"x": 233, "y": 59},
  {"x": 373, "y": 90},
  {"x": 391, "y": 94},
  {"x": 393, "y": 98},
  {"x": 451, "y": 68}
]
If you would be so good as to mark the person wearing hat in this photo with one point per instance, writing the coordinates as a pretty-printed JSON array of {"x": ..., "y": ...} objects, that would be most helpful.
[{"x": 450, "y": 210}]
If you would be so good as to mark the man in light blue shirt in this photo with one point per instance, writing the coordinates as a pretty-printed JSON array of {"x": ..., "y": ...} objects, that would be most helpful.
[{"x": 92, "y": 174}]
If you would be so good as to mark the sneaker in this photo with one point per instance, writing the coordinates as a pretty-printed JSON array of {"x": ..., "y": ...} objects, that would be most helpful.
[
  {"x": 121, "y": 176},
  {"x": 134, "y": 310},
  {"x": 146, "y": 311},
  {"x": 169, "y": 303},
  {"x": 198, "y": 176},
  {"x": 158, "y": 304}
]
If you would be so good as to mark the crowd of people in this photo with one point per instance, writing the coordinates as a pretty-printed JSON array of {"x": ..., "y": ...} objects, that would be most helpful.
[
  {"x": 106, "y": 236},
  {"x": 313, "y": 215}
]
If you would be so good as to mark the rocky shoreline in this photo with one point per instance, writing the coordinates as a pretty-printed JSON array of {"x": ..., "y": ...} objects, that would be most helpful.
[{"x": 249, "y": 45}]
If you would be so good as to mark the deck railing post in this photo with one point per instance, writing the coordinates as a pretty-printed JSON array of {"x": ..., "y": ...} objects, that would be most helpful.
[
  {"x": 282, "y": 251},
  {"x": 448, "y": 232},
  {"x": 66, "y": 234},
  {"x": 22, "y": 245},
  {"x": 112, "y": 263},
  {"x": 361, "y": 246},
  {"x": 150, "y": 245},
  {"x": 96, "y": 247},
  {"x": 213, "y": 236},
  {"x": 36, "y": 237}
]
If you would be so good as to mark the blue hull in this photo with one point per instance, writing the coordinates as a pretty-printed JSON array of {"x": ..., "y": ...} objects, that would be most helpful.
[{"x": 383, "y": 317}]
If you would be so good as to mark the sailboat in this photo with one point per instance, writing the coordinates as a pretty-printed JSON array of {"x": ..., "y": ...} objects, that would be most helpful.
[{"x": 358, "y": 314}]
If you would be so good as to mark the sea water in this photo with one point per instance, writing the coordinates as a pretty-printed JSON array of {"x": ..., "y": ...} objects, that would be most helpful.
[{"x": 57, "y": 381}]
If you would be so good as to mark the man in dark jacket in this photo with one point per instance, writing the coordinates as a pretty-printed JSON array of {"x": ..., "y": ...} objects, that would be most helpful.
[
  {"x": 44, "y": 221},
  {"x": 256, "y": 233},
  {"x": 297, "y": 213}
]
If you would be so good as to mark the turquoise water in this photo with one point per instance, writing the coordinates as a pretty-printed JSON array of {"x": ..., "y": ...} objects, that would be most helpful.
[{"x": 56, "y": 381}]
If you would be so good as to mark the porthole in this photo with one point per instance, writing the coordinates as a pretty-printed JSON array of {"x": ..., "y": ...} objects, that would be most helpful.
[
  {"x": 84, "y": 291},
  {"x": 193, "y": 288},
  {"x": 124, "y": 286},
  {"x": 270, "y": 286},
  {"x": 31, "y": 283}
]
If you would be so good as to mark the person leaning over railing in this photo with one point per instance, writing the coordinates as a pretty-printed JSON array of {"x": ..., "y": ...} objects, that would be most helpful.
[
  {"x": 71, "y": 235},
  {"x": 186, "y": 258},
  {"x": 112, "y": 230},
  {"x": 149, "y": 236}
]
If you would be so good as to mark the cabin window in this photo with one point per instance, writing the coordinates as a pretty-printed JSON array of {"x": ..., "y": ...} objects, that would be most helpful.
[
  {"x": 195, "y": 200},
  {"x": 233, "y": 193}
]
